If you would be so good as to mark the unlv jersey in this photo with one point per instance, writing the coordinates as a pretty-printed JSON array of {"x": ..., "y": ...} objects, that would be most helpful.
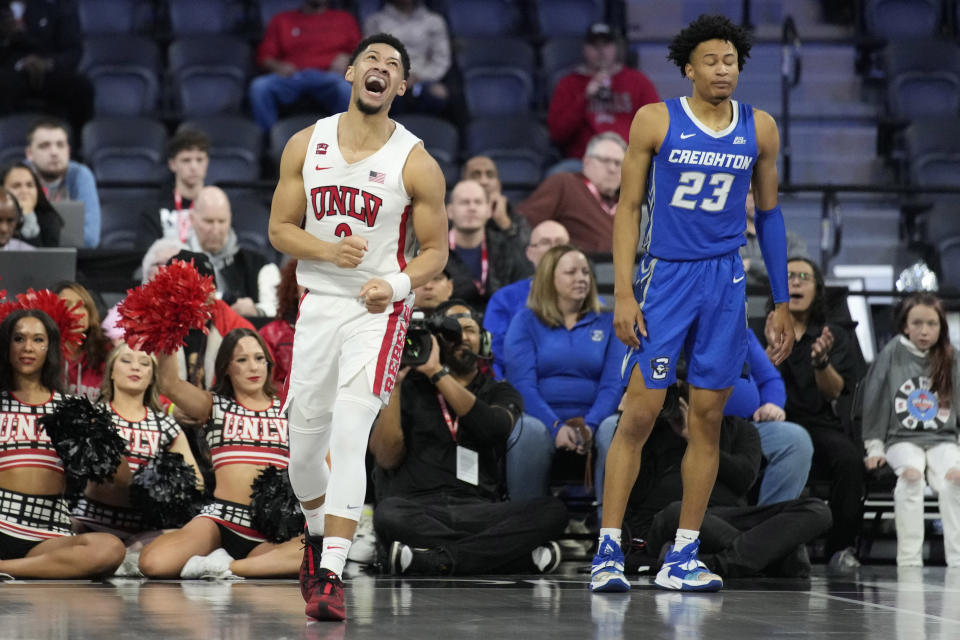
[{"x": 366, "y": 199}]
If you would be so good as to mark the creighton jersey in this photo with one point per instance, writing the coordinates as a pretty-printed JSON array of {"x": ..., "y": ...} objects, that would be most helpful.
[
  {"x": 698, "y": 184},
  {"x": 366, "y": 199}
]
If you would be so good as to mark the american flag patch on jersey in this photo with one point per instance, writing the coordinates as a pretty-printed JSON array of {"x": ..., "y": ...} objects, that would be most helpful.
[{"x": 377, "y": 176}]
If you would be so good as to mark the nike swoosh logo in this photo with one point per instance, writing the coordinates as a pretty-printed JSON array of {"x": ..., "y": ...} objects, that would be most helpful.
[
  {"x": 319, "y": 168},
  {"x": 684, "y": 136},
  {"x": 736, "y": 280}
]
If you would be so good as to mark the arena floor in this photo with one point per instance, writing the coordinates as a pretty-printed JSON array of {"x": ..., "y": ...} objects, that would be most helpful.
[{"x": 878, "y": 602}]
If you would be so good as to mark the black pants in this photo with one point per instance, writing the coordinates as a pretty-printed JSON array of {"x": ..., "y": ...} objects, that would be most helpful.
[
  {"x": 62, "y": 93},
  {"x": 747, "y": 541},
  {"x": 480, "y": 536},
  {"x": 841, "y": 460}
]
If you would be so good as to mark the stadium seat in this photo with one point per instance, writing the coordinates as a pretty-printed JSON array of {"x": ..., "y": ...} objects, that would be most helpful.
[
  {"x": 495, "y": 52},
  {"x": 124, "y": 72},
  {"x": 483, "y": 18},
  {"x": 491, "y": 91},
  {"x": 893, "y": 19},
  {"x": 558, "y": 18},
  {"x": 269, "y": 8},
  {"x": 282, "y": 131},
  {"x": 114, "y": 16},
  {"x": 236, "y": 144},
  {"x": 250, "y": 219},
  {"x": 923, "y": 79},
  {"x": 558, "y": 57},
  {"x": 210, "y": 74},
  {"x": 439, "y": 137},
  {"x": 204, "y": 16},
  {"x": 517, "y": 167},
  {"x": 933, "y": 151},
  {"x": 125, "y": 149},
  {"x": 507, "y": 132},
  {"x": 13, "y": 135},
  {"x": 119, "y": 220}
]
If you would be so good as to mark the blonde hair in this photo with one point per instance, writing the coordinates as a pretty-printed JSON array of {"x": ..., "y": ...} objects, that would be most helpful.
[
  {"x": 150, "y": 396},
  {"x": 544, "y": 301}
]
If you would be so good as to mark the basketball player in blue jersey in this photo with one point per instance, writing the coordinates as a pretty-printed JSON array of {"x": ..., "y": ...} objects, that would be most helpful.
[{"x": 693, "y": 158}]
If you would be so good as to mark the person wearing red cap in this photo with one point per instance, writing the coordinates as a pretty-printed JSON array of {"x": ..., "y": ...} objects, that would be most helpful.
[{"x": 600, "y": 95}]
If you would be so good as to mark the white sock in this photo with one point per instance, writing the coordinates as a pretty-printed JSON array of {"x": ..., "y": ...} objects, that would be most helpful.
[
  {"x": 684, "y": 537},
  {"x": 612, "y": 532},
  {"x": 334, "y": 554},
  {"x": 315, "y": 519}
]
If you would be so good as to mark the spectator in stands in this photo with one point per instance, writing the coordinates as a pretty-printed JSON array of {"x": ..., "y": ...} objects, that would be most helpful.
[
  {"x": 39, "y": 51},
  {"x": 11, "y": 220},
  {"x": 508, "y": 300},
  {"x": 245, "y": 280},
  {"x": 584, "y": 203},
  {"x": 438, "y": 446},
  {"x": 41, "y": 223},
  {"x": 435, "y": 292},
  {"x": 48, "y": 152},
  {"x": 278, "y": 333},
  {"x": 305, "y": 52},
  {"x": 738, "y": 540},
  {"x": 823, "y": 368},
  {"x": 910, "y": 422},
  {"x": 481, "y": 260},
  {"x": 503, "y": 217},
  {"x": 84, "y": 363},
  {"x": 197, "y": 358},
  {"x": 562, "y": 355},
  {"x": 188, "y": 156},
  {"x": 600, "y": 95},
  {"x": 753, "y": 262},
  {"x": 424, "y": 33},
  {"x": 158, "y": 255}
]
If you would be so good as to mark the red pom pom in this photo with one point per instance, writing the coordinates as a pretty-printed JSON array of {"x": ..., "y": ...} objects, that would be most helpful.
[
  {"x": 67, "y": 319},
  {"x": 156, "y": 317}
]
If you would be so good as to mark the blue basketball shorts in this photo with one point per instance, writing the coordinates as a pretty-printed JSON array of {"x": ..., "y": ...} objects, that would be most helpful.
[{"x": 697, "y": 308}]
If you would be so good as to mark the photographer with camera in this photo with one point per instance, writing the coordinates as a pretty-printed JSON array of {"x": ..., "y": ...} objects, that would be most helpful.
[{"x": 438, "y": 446}]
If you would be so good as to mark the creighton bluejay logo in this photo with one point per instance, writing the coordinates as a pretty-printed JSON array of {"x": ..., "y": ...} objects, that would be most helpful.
[{"x": 660, "y": 367}]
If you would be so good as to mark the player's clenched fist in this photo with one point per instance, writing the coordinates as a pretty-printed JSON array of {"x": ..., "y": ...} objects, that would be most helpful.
[
  {"x": 348, "y": 253},
  {"x": 376, "y": 294},
  {"x": 628, "y": 322}
]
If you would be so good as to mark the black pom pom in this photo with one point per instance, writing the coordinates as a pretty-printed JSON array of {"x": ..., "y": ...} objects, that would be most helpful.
[
  {"x": 275, "y": 510},
  {"x": 85, "y": 439},
  {"x": 165, "y": 492}
]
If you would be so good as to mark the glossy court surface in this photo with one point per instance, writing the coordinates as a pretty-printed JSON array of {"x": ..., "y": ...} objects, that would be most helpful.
[{"x": 876, "y": 602}]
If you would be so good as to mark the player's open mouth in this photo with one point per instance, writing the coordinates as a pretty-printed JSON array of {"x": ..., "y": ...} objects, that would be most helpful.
[{"x": 375, "y": 85}]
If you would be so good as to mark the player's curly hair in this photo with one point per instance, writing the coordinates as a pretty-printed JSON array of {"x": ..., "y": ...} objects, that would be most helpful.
[{"x": 709, "y": 28}]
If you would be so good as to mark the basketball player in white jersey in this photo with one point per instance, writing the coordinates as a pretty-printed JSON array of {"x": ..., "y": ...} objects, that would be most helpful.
[{"x": 360, "y": 204}]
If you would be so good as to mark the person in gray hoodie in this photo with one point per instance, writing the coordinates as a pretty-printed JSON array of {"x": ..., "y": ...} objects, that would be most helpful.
[{"x": 910, "y": 423}]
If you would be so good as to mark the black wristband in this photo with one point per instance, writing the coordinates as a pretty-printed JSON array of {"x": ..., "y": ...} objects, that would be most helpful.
[{"x": 435, "y": 378}]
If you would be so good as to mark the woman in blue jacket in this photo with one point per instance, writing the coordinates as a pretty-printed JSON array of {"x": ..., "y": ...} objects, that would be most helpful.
[{"x": 563, "y": 357}]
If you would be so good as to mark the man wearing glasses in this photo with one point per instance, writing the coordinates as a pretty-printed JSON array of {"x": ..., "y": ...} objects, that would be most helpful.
[{"x": 585, "y": 202}]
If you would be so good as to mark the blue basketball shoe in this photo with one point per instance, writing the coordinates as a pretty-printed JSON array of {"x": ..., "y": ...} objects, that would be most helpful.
[
  {"x": 607, "y": 574},
  {"x": 682, "y": 571}
]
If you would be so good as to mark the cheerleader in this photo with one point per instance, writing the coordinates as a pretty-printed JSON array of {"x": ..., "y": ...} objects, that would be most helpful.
[
  {"x": 35, "y": 535},
  {"x": 245, "y": 433},
  {"x": 129, "y": 392}
]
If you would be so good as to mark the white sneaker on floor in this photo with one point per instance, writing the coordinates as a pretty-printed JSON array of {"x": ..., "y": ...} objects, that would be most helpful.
[
  {"x": 215, "y": 566},
  {"x": 364, "y": 547},
  {"x": 130, "y": 567},
  {"x": 547, "y": 558}
]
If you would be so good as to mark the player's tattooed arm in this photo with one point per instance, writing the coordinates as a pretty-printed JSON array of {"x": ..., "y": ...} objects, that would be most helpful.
[{"x": 289, "y": 207}]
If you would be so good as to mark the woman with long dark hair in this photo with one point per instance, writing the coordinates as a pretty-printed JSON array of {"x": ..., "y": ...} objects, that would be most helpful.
[
  {"x": 41, "y": 222},
  {"x": 245, "y": 433},
  {"x": 910, "y": 423},
  {"x": 84, "y": 363},
  {"x": 129, "y": 393},
  {"x": 35, "y": 529},
  {"x": 823, "y": 366}
]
